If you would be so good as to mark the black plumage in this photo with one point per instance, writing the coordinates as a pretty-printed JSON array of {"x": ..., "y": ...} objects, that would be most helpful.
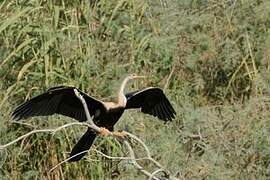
[
  {"x": 151, "y": 101},
  {"x": 57, "y": 100},
  {"x": 62, "y": 100}
]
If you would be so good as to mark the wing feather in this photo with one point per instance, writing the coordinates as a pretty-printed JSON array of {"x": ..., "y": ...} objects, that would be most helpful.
[
  {"x": 151, "y": 101},
  {"x": 57, "y": 100},
  {"x": 163, "y": 116},
  {"x": 155, "y": 114},
  {"x": 167, "y": 115}
]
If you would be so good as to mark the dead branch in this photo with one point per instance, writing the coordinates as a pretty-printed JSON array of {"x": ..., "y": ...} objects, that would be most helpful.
[
  {"x": 52, "y": 130},
  {"x": 127, "y": 144},
  {"x": 90, "y": 124}
]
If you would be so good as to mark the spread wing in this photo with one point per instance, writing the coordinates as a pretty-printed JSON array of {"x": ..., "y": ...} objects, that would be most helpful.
[
  {"x": 151, "y": 101},
  {"x": 57, "y": 100}
]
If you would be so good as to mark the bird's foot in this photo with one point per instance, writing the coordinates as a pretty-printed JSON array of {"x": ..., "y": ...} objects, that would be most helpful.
[
  {"x": 104, "y": 132},
  {"x": 121, "y": 134}
]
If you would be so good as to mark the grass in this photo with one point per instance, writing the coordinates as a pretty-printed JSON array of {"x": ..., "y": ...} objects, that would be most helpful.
[{"x": 217, "y": 53}]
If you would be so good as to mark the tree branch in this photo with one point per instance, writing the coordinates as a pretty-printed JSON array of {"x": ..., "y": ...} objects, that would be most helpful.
[
  {"x": 88, "y": 117},
  {"x": 129, "y": 148},
  {"x": 134, "y": 162},
  {"x": 91, "y": 124},
  {"x": 53, "y": 130}
]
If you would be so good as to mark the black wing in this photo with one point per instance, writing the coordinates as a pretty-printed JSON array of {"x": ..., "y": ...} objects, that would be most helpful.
[
  {"x": 59, "y": 100},
  {"x": 151, "y": 101}
]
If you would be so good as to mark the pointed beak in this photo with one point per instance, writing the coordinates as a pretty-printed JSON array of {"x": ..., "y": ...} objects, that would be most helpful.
[{"x": 138, "y": 77}]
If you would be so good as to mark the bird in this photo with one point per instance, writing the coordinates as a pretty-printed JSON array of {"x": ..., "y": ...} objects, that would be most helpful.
[{"x": 62, "y": 100}]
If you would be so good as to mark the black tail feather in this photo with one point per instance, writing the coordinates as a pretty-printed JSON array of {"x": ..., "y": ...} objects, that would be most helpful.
[{"x": 82, "y": 145}]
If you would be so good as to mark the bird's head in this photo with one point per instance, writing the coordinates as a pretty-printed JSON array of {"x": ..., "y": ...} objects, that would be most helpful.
[{"x": 127, "y": 79}]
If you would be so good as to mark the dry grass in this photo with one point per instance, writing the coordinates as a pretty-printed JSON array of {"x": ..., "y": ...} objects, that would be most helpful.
[{"x": 212, "y": 56}]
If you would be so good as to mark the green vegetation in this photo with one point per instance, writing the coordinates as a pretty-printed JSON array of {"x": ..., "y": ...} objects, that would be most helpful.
[{"x": 218, "y": 55}]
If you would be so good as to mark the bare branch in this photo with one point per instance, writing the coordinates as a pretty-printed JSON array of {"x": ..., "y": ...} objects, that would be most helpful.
[
  {"x": 66, "y": 160},
  {"x": 134, "y": 162},
  {"x": 131, "y": 152},
  {"x": 116, "y": 134},
  {"x": 88, "y": 117},
  {"x": 53, "y": 130},
  {"x": 145, "y": 148},
  {"x": 155, "y": 172}
]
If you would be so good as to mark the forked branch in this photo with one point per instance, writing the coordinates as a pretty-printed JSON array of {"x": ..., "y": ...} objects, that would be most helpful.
[
  {"x": 132, "y": 158},
  {"x": 128, "y": 146}
]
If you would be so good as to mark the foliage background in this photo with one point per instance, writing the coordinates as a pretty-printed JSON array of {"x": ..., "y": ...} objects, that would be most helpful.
[{"x": 212, "y": 58}]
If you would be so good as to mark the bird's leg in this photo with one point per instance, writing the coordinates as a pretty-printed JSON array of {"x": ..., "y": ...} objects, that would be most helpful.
[
  {"x": 104, "y": 131},
  {"x": 121, "y": 134}
]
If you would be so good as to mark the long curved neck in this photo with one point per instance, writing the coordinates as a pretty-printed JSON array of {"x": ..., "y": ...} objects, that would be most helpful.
[{"x": 122, "y": 100}]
